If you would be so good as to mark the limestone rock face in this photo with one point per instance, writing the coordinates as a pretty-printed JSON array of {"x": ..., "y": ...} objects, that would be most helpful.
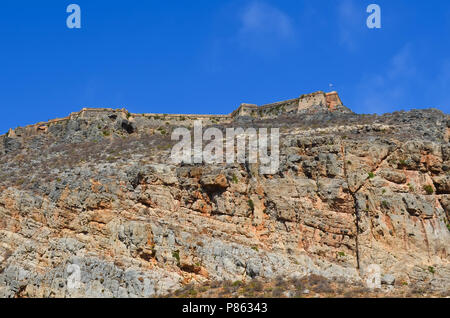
[{"x": 93, "y": 207}]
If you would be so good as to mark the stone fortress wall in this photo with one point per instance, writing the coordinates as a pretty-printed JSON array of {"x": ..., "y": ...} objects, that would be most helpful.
[{"x": 296, "y": 105}]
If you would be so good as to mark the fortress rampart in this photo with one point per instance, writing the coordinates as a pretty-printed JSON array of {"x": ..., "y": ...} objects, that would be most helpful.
[
  {"x": 312, "y": 101},
  {"x": 296, "y": 105}
]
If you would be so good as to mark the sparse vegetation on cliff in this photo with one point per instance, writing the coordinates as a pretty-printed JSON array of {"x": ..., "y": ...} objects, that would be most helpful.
[{"x": 132, "y": 218}]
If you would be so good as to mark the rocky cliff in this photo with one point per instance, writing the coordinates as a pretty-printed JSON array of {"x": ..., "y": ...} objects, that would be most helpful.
[{"x": 97, "y": 194}]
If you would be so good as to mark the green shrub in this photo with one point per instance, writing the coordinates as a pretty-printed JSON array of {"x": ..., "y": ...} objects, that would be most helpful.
[
  {"x": 235, "y": 179},
  {"x": 371, "y": 175},
  {"x": 162, "y": 131},
  {"x": 176, "y": 255},
  {"x": 255, "y": 285},
  {"x": 251, "y": 204},
  {"x": 237, "y": 283},
  {"x": 428, "y": 189}
]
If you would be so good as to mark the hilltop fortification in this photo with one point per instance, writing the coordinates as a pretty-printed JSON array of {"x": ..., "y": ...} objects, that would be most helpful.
[{"x": 307, "y": 103}]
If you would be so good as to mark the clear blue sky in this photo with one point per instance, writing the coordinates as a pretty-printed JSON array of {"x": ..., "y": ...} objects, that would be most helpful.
[{"x": 207, "y": 56}]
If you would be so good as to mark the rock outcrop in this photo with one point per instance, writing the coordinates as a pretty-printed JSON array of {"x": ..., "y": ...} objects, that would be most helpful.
[{"x": 93, "y": 199}]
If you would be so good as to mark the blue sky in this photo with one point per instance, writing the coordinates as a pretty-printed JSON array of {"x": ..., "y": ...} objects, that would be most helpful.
[{"x": 207, "y": 56}]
